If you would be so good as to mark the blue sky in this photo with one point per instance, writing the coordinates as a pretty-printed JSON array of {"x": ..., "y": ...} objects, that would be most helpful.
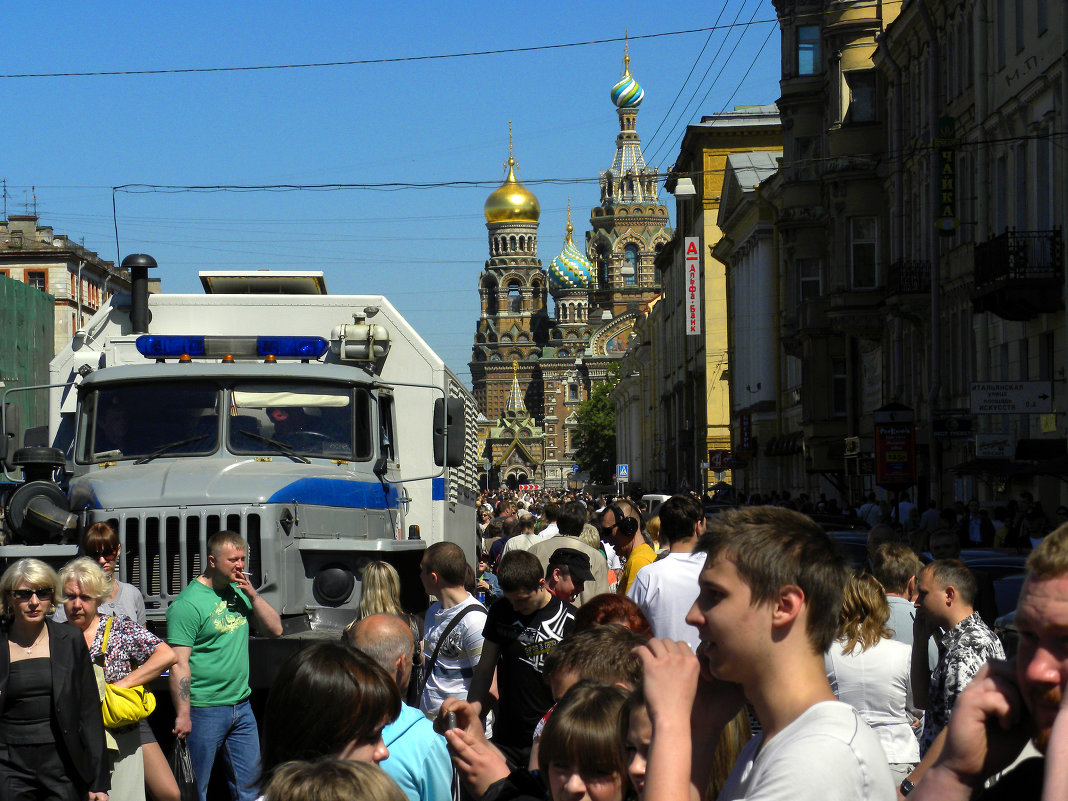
[{"x": 443, "y": 120}]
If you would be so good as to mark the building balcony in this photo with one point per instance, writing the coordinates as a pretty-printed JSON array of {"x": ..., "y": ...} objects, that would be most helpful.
[
  {"x": 909, "y": 277},
  {"x": 857, "y": 312},
  {"x": 1020, "y": 274}
]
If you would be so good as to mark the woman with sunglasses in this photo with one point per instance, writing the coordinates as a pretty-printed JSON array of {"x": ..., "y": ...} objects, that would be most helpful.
[
  {"x": 51, "y": 729},
  {"x": 101, "y": 544}
]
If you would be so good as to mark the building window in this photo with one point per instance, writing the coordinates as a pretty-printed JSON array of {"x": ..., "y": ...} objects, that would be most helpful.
[
  {"x": 38, "y": 279},
  {"x": 1041, "y": 16},
  {"x": 514, "y": 299},
  {"x": 5, "y": 273},
  {"x": 572, "y": 392},
  {"x": 808, "y": 270},
  {"x": 808, "y": 50},
  {"x": 629, "y": 270},
  {"x": 1020, "y": 24},
  {"x": 808, "y": 155},
  {"x": 839, "y": 380},
  {"x": 862, "y": 90},
  {"x": 1000, "y": 32},
  {"x": 863, "y": 246}
]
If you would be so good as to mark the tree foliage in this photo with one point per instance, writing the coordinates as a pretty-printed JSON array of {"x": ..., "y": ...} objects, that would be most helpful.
[{"x": 595, "y": 436}]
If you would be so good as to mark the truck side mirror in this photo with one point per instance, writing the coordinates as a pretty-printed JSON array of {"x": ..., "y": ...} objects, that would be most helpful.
[
  {"x": 9, "y": 436},
  {"x": 449, "y": 430}
]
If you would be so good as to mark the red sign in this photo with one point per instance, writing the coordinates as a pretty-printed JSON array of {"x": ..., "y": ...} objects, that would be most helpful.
[
  {"x": 693, "y": 285},
  {"x": 719, "y": 460},
  {"x": 528, "y": 487},
  {"x": 895, "y": 455}
]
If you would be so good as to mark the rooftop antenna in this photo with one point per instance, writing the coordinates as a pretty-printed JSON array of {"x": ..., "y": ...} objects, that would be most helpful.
[
  {"x": 33, "y": 189},
  {"x": 4, "y": 181}
]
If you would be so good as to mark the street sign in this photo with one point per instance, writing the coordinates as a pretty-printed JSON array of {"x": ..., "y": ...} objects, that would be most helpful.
[
  {"x": 1012, "y": 397},
  {"x": 529, "y": 487},
  {"x": 574, "y": 468},
  {"x": 622, "y": 472},
  {"x": 719, "y": 460}
]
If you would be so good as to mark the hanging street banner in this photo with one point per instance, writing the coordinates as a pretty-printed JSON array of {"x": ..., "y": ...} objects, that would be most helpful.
[{"x": 693, "y": 285}]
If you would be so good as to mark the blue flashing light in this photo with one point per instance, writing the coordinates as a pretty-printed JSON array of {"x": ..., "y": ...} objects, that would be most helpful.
[
  {"x": 169, "y": 346},
  {"x": 292, "y": 347}
]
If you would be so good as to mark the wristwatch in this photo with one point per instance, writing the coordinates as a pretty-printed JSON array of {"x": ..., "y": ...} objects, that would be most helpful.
[{"x": 906, "y": 787}]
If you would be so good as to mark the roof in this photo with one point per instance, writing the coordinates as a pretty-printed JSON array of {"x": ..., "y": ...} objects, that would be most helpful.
[
  {"x": 753, "y": 167},
  {"x": 741, "y": 116}
]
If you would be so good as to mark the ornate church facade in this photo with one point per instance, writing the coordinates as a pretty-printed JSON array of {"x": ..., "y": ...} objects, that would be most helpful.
[{"x": 530, "y": 370}]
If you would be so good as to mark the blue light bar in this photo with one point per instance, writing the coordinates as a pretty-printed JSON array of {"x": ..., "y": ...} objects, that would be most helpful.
[
  {"x": 292, "y": 347},
  {"x": 163, "y": 347},
  {"x": 171, "y": 346}
]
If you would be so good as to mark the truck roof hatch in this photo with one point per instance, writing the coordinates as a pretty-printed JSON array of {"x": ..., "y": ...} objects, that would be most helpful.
[{"x": 263, "y": 282}]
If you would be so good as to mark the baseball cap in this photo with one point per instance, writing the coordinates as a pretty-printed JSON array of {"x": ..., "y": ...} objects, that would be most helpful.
[{"x": 576, "y": 562}]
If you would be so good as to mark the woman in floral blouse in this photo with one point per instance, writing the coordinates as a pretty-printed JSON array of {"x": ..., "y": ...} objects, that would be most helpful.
[{"x": 134, "y": 656}]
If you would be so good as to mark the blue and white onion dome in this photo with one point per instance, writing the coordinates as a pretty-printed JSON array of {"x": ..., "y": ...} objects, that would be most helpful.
[
  {"x": 627, "y": 93},
  {"x": 569, "y": 270}
]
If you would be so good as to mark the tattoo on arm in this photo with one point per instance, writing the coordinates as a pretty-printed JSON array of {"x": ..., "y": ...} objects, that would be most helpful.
[{"x": 183, "y": 689}]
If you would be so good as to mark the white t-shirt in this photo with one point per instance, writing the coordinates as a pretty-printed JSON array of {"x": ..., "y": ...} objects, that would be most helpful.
[
  {"x": 877, "y": 684},
  {"x": 549, "y": 531},
  {"x": 458, "y": 656},
  {"x": 827, "y": 754},
  {"x": 665, "y": 590}
]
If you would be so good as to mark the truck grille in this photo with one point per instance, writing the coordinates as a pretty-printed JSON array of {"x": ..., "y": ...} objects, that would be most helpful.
[{"x": 162, "y": 553}]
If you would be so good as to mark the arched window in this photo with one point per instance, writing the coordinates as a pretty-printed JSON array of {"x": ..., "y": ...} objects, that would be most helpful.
[
  {"x": 513, "y": 243},
  {"x": 629, "y": 270},
  {"x": 491, "y": 298},
  {"x": 514, "y": 299}
]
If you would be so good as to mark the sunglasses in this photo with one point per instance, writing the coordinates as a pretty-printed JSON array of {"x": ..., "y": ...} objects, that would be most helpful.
[
  {"x": 42, "y": 593},
  {"x": 109, "y": 554}
]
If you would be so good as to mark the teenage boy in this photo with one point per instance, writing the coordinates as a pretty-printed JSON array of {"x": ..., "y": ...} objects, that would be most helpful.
[
  {"x": 567, "y": 573},
  {"x": 767, "y": 610},
  {"x": 522, "y": 629},
  {"x": 457, "y": 617}
]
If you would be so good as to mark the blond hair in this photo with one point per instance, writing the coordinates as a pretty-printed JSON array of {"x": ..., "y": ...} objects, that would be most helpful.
[
  {"x": 865, "y": 611},
  {"x": 380, "y": 591},
  {"x": 89, "y": 575},
  {"x": 331, "y": 780},
  {"x": 34, "y": 572},
  {"x": 1050, "y": 558}
]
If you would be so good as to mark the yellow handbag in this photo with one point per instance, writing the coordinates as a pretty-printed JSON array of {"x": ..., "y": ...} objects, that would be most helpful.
[{"x": 124, "y": 706}]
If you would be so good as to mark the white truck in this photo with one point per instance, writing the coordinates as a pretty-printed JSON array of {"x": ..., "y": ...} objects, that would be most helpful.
[{"x": 322, "y": 428}]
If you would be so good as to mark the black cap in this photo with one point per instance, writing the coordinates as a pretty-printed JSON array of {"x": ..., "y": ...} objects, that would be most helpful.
[{"x": 576, "y": 562}]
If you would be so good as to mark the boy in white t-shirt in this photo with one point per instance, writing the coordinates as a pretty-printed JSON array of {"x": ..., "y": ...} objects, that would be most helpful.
[
  {"x": 442, "y": 571},
  {"x": 767, "y": 610}
]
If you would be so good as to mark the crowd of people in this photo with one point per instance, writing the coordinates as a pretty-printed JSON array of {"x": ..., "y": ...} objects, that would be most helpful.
[{"x": 593, "y": 654}]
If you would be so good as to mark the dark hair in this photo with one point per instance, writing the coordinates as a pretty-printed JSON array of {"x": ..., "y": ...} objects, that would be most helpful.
[
  {"x": 893, "y": 564},
  {"x": 571, "y": 519},
  {"x": 583, "y": 730},
  {"x": 519, "y": 571},
  {"x": 610, "y": 607},
  {"x": 448, "y": 561},
  {"x": 678, "y": 515},
  {"x": 325, "y": 696},
  {"x": 98, "y": 538},
  {"x": 551, "y": 511},
  {"x": 772, "y": 548},
  {"x": 604, "y": 653},
  {"x": 954, "y": 573}
]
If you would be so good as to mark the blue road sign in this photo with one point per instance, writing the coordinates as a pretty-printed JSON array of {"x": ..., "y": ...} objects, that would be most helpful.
[
  {"x": 622, "y": 471},
  {"x": 574, "y": 468}
]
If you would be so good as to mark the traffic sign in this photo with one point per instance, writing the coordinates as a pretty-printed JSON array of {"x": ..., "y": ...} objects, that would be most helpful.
[
  {"x": 622, "y": 472},
  {"x": 574, "y": 468},
  {"x": 1012, "y": 397},
  {"x": 719, "y": 460}
]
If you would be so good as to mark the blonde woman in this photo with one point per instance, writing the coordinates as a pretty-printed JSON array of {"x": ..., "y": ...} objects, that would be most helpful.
[
  {"x": 133, "y": 656},
  {"x": 870, "y": 671},
  {"x": 50, "y": 722},
  {"x": 380, "y": 594}
]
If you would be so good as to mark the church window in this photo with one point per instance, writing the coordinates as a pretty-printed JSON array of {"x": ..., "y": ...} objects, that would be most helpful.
[
  {"x": 514, "y": 301},
  {"x": 491, "y": 299},
  {"x": 572, "y": 392},
  {"x": 513, "y": 243},
  {"x": 629, "y": 270},
  {"x": 563, "y": 314}
]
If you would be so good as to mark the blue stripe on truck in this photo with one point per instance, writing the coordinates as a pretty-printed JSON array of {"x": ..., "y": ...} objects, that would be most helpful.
[
  {"x": 337, "y": 492},
  {"x": 437, "y": 489}
]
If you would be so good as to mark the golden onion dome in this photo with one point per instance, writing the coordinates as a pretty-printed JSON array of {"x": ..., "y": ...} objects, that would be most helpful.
[{"x": 511, "y": 201}]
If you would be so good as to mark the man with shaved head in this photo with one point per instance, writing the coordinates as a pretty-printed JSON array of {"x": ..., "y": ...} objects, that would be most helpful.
[{"x": 418, "y": 758}]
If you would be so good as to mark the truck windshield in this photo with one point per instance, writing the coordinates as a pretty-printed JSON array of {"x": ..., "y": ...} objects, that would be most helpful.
[
  {"x": 299, "y": 418},
  {"x": 148, "y": 419}
]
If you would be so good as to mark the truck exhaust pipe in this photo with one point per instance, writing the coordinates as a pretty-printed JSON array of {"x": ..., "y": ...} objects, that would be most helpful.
[{"x": 139, "y": 264}]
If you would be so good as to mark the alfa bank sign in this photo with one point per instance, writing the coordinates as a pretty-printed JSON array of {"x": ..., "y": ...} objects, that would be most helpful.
[{"x": 693, "y": 285}]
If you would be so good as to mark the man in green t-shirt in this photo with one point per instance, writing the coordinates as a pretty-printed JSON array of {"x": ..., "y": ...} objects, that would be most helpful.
[{"x": 208, "y": 627}]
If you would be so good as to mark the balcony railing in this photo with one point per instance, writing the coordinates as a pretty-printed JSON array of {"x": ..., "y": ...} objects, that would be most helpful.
[
  {"x": 909, "y": 277},
  {"x": 1019, "y": 255},
  {"x": 1020, "y": 274}
]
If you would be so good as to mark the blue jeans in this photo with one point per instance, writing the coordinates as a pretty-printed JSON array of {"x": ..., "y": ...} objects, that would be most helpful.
[{"x": 233, "y": 730}]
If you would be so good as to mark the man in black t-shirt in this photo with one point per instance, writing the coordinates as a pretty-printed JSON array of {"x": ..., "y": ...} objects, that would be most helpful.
[{"x": 521, "y": 629}]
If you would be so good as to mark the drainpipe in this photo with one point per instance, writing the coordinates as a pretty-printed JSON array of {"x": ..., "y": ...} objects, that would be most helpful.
[{"x": 934, "y": 73}]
